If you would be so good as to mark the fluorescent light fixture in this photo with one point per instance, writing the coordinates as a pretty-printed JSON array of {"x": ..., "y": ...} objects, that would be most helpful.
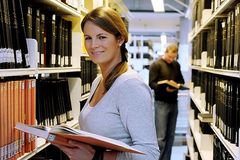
[
  {"x": 163, "y": 38},
  {"x": 158, "y": 5}
]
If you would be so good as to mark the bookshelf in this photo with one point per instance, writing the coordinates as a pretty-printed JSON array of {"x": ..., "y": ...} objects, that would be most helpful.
[
  {"x": 214, "y": 68},
  {"x": 74, "y": 82},
  {"x": 217, "y": 13},
  {"x": 233, "y": 149}
]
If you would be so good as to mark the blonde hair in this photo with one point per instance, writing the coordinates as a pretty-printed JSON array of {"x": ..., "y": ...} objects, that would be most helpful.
[
  {"x": 172, "y": 48},
  {"x": 110, "y": 21}
]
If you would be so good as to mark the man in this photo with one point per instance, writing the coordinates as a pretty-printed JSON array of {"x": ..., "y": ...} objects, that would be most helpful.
[{"x": 166, "y": 109}]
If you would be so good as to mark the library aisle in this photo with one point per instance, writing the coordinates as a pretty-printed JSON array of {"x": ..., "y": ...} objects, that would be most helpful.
[{"x": 180, "y": 149}]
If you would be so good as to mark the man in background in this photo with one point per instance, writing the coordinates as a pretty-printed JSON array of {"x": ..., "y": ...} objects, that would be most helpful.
[{"x": 166, "y": 104}]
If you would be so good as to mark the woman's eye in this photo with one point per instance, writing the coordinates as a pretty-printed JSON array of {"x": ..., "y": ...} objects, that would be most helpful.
[
  {"x": 102, "y": 37},
  {"x": 87, "y": 38}
]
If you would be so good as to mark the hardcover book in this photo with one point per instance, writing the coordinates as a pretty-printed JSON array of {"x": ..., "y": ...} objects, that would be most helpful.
[
  {"x": 60, "y": 134},
  {"x": 172, "y": 84}
]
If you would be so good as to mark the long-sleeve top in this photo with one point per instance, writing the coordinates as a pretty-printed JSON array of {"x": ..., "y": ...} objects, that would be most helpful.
[
  {"x": 125, "y": 113},
  {"x": 161, "y": 70}
]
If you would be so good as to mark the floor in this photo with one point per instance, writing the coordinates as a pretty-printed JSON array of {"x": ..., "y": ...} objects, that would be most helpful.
[
  {"x": 179, "y": 149},
  {"x": 178, "y": 152}
]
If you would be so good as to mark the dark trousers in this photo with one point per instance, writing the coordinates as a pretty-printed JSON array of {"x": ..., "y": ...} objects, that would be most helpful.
[{"x": 165, "y": 119}]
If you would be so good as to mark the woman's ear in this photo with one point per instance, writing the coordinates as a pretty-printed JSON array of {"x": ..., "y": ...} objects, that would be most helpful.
[{"x": 120, "y": 40}]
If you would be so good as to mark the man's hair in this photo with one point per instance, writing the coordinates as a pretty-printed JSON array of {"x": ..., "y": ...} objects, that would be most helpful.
[{"x": 172, "y": 48}]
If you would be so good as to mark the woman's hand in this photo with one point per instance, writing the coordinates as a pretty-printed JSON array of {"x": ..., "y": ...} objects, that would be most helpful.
[{"x": 80, "y": 151}]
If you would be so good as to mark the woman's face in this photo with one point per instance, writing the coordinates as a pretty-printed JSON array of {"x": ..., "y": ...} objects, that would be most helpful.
[{"x": 102, "y": 47}]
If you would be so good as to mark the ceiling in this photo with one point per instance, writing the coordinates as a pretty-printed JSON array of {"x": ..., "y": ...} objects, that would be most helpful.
[
  {"x": 143, "y": 20},
  {"x": 146, "y": 5}
]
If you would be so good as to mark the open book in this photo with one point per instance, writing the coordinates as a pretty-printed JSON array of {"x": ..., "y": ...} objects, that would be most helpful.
[
  {"x": 172, "y": 84},
  {"x": 60, "y": 134}
]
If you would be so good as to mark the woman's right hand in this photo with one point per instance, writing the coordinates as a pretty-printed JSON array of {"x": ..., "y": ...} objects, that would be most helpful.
[{"x": 80, "y": 151}]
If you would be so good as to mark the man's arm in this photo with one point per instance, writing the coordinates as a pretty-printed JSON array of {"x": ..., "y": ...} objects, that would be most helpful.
[
  {"x": 153, "y": 76},
  {"x": 180, "y": 78}
]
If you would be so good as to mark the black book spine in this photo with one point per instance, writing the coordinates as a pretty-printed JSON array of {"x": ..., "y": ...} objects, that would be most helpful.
[
  {"x": 58, "y": 40},
  {"x": 50, "y": 39},
  {"x": 14, "y": 31},
  {"x": 224, "y": 43},
  {"x": 218, "y": 43},
  {"x": 53, "y": 51},
  {"x": 238, "y": 114},
  {"x": 232, "y": 39},
  {"x": 237, "y": 37},
  {"x": 65, "y": 44},
  {"x": 69, "y": 43},
  {"x": 42, "y": 50},
  {"x": 2, "y": 38},
  {"x": 9, "y": 54},
  {"x": 22, "y": 34},
  {"x": 36, "y": 30},
  {"x": 29, "y": 22}
]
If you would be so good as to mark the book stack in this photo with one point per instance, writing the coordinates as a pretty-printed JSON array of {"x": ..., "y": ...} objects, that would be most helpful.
[
  {"x": 89, "y": 72},
  {"x": 221, "y": 40},
  {"x": 53, "y": 102},
  {"x": 17, "y": 104},
  {"x": 13, "y": 46},
  {"x": 53, "y": 34}
]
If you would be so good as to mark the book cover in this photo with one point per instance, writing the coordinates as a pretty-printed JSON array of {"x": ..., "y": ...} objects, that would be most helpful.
[
  {"x": 61, "y": 134},
  {"x": 172, "y": 84}
]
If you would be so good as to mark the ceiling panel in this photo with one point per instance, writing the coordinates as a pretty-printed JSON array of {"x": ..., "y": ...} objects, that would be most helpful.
[{"x": 146, "y": 5}]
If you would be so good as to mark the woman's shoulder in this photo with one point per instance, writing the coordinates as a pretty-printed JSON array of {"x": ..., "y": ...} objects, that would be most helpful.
[
  {"x": 130, "y": 79},
  {"x": 130, "y": 74}
]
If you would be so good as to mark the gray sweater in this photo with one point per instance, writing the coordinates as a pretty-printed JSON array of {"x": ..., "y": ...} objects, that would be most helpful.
[{"x": 125, "y": 113}]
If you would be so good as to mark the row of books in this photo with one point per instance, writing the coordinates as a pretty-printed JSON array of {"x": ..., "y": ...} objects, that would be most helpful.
[
  {"x": 223, "y": 93},
  {"x": 219, "y": 46},
  {"x": 203, "y": 9},
  {"x": 17, "y": 104},
  {"x": 13, "y": 45},
  {"x": 206, "y": 82},
  {"x": 53, "y": 34},
  {"x": 53, "y": 102},
  {"x": 89, "y": 72},
  {"x": 198, "y": 11},
  {"x": 219, "y": 151},
  {"x": 227, "y": 96}
]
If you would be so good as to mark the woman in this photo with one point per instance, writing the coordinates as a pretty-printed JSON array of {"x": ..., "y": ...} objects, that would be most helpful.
[{"x": 120, "y": 104}]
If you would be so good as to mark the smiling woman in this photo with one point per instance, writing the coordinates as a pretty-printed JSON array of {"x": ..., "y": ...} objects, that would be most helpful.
[{"x": 120, "y": 104}]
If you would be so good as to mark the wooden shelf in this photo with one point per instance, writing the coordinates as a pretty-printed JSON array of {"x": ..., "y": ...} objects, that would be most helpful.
[
  {"x": 224, "y": 72},
  {"x": 42, "y": 144},
  {"x": 216, "y": 14}
]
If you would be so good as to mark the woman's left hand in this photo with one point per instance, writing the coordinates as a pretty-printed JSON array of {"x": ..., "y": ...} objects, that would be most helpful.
[{"x": 80, "y": 151}]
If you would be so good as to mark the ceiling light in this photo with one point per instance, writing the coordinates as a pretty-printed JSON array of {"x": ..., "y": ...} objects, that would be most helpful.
[{"x": 158, "y": 5}]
